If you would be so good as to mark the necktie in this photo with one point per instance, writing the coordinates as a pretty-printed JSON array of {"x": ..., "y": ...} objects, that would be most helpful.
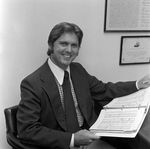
[{"x": 71, "y": 116}]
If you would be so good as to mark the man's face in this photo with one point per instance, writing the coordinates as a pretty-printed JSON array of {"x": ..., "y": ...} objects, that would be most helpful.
[{"x": 65, "y": 50}]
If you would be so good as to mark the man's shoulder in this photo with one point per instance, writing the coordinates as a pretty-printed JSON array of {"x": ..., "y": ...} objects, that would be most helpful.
[
  {"x": 76, "y": 65},
  {"x": 37, "y": 73}
]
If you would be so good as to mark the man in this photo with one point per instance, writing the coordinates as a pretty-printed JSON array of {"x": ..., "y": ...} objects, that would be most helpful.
[{"x": 46, "y": 118}]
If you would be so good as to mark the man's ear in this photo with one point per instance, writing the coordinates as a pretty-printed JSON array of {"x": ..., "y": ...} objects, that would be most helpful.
[{"x": 50, "y": 48}]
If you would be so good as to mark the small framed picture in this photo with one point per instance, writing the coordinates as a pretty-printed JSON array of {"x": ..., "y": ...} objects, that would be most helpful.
[{"x": 134, "y": 50}]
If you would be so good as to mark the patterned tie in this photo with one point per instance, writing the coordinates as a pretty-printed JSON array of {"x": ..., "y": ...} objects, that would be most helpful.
[
  {"x": 78, "y": 111},
  {"x": 71, "y": 116}
]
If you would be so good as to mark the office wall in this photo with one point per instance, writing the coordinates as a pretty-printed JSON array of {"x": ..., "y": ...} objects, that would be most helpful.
[{"x": 24, "y": 28}]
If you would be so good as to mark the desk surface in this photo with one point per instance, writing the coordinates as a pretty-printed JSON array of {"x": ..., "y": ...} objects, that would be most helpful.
[{"x": 144, "y": 132}]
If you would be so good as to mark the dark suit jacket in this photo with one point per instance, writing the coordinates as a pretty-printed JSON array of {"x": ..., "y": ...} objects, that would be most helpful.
[{"x": 41, "y": 120}]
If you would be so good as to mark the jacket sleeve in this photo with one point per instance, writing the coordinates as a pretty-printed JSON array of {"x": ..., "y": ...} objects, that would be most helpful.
[
  {"x": 30, "y": 129},
  {"x": 102, "y": 93}
]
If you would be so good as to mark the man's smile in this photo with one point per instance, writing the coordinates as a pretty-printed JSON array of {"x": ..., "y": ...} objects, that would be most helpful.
[{"x": 67, "y": 56}]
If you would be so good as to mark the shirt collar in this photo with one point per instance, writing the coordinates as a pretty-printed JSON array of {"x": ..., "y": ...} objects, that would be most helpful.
[{"x": 58, "y": 72}]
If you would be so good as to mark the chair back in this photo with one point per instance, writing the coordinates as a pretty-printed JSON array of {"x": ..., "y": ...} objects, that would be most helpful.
[
  {"x": 11, "y": 129},
  {"x": 11, "y": 121}
]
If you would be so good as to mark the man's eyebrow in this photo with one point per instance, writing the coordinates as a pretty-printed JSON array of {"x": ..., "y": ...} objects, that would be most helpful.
[{"x": 63, "y": 41}]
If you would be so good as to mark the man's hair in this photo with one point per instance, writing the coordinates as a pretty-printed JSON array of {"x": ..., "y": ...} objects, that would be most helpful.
[{"x": 61, "y": 28}]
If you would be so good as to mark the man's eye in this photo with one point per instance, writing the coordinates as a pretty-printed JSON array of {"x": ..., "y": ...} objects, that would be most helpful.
[
  {"x": 63, "y": 44},
  {"x": 74, "y": 45}
]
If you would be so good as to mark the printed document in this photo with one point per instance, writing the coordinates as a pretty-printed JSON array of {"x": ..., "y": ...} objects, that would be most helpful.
[{"x": 123, "y": 116}]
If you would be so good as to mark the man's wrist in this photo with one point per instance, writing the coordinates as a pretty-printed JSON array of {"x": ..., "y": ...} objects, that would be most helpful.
[
  {"x": 137, "y": 85},
  {"x": 72, "y": 141}
]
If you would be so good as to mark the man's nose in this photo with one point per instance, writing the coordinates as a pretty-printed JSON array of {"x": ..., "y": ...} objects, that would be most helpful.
[{"x": 68, "y": 49}]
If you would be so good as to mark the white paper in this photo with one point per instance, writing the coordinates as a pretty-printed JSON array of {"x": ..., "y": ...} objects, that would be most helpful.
[
  {"x": 137, "y": 99},
  {"x": 124, "y": 116}
]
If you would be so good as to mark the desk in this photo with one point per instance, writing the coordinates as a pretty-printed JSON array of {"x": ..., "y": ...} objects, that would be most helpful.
[{"x": 144, "y": 133}]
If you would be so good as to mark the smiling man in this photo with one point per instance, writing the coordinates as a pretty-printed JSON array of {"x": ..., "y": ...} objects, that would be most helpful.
[{"x": 58, "y": 100}]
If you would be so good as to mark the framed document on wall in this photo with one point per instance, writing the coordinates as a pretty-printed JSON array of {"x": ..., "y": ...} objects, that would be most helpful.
[
  {"x": 127, "y": 15},
  {"x": 134, "y": 50}
]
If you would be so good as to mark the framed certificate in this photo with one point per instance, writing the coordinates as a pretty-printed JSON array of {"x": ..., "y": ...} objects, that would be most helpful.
[
  {"x": 134, "y": 50},
  {"x": 127, "y": 16}
]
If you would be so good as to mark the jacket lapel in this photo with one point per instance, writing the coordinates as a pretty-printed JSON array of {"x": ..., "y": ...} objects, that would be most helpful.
[{"x": 50, "y": 86}]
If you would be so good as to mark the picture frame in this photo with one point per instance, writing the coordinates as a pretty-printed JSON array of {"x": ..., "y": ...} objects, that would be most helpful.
[
  {"x": 127, "y": 16},
  {"x": 134, "y": 50}
]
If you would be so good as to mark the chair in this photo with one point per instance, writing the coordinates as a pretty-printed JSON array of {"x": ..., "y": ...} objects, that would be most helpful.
[
  {"x": 11, "y": 131},
  {"x": 11, "y": 128}
]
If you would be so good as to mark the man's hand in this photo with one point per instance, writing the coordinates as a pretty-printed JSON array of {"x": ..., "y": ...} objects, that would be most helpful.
[
  {"x": 84, "y": 137},
  {"x": 144, "y": 82}
]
